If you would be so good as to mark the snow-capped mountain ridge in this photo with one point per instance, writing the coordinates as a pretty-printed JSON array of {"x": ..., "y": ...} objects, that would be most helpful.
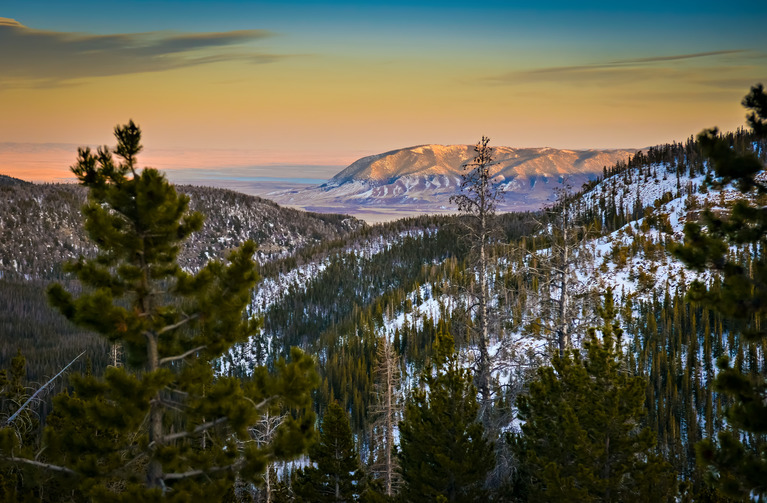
[
  {"x": 448, "y": 161},
  {"x": 423, "y": 178}
]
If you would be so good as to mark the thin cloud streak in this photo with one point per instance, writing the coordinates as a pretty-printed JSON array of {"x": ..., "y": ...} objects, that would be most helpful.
[
  {"x": 627, "y": 71},
  {"x": 677, "y": 57},
  {"x": 38, "y": 58}
]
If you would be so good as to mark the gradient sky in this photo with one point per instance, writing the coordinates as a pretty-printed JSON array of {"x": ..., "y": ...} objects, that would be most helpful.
[{"x": 302, "y": 83}]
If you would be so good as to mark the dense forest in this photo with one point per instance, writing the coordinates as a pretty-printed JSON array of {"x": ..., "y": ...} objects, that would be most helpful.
[{"x": 607, "y": 348}]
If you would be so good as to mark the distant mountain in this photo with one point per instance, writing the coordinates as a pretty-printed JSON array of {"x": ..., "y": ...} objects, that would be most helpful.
[
  {"x": 41, "y": 226},
  {"x": 423, "y": 178}
]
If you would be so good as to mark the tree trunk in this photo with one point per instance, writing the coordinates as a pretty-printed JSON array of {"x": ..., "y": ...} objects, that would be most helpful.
[
  {"x": 484, "y": 358},
  {"x": 564, "y": 286},
  {"x": 383, "y": 460},
  {"x": 389, "y": 433},
  {"x": 606, "y": 472},
  {"x": 154, "y": 471}
]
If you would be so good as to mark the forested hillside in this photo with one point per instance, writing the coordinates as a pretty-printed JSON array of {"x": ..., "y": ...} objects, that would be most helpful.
[
  {"x": 41, "y": 227},
  {"x": 623, "y": 228}
]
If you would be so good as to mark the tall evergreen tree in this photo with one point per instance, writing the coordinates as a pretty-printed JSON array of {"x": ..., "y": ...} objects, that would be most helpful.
[
  {"x": 164, "y": 425},
  {"x": 581, "y": 440},
  {"x": 443, "y": 450},
  {"x": 738, "y": 463},
  {"x": 337, "y": 475}
]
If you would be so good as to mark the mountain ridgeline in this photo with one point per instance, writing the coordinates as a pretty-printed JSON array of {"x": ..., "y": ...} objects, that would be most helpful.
[{"x": 422, "y": 179}]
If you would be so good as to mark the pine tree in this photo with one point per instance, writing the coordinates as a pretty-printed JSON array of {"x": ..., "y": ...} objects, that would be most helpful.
[
  {"x": 737, "y": 464},
  {"x": 581, "y": 440},
  {"x": 163, "y": 425},
  {"x": 443, "y": 449},
  {"x": 337, "y": 475}
]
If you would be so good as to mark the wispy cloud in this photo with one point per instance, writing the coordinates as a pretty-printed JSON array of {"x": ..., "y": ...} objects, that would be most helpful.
[
  {"x": 634, "y": 70},
  {"x": 677, "y": 57},
  {"x": 49, "y": 58}
]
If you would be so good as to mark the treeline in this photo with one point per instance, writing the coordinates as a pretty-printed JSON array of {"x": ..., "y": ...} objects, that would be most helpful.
[{"x": 617, "y": 204}]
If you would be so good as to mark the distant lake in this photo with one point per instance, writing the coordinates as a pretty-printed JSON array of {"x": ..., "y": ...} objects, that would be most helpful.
[
  {"x": 254, "y": 175},
  {"x": 308, "y": 181}
]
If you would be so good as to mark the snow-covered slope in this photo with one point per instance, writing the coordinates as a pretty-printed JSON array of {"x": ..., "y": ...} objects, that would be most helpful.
[{"x": 635, "y": 259}]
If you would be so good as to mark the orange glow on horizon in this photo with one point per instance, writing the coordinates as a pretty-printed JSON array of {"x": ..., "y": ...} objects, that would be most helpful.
[{"x": 317, "y": 95}]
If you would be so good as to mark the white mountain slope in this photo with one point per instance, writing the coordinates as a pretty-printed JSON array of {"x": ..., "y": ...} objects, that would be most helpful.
[
  {"x": 421, "y": 179},
  {"x": 633, "y": 260}
]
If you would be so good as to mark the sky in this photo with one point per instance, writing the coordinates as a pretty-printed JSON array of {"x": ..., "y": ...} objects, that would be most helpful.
[{"x": 304, "y": 88}]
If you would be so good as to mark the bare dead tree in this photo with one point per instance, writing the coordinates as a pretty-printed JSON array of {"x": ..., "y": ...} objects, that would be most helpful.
[
  {"x": 560, "y": 307},
  {"x": 263, "y": 433},
  {"x": 40, "y": 390},
  {"x": 479, "y": 200},
  {"x": 116, "y": 354},
  {"x": 387, "y": 411}
]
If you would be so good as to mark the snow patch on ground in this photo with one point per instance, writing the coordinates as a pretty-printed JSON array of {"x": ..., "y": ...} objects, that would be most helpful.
[{"x": 272, "y": 290}]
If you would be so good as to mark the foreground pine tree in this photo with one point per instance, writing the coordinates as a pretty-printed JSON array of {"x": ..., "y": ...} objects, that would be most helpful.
[
  {"x": 737, "y": 464},
  {"x": 337, "y": 475},
  {"x": 444, "y": 454},
  {"x": 163, "y": 426},
  {"x": 581, "y": 437}
]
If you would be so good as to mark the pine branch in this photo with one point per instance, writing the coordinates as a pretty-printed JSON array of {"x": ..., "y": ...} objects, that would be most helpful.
[
  {"x": 177, "y": 325},
  {"x": 194, "y": 473},
  {"x": 169, "y": 359},
  {"x": 210, "y": 424},
  {"x": 200, "y": 428},
  {"x": 262, "y": 403},
  {"x": 47, "y": 466}
]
